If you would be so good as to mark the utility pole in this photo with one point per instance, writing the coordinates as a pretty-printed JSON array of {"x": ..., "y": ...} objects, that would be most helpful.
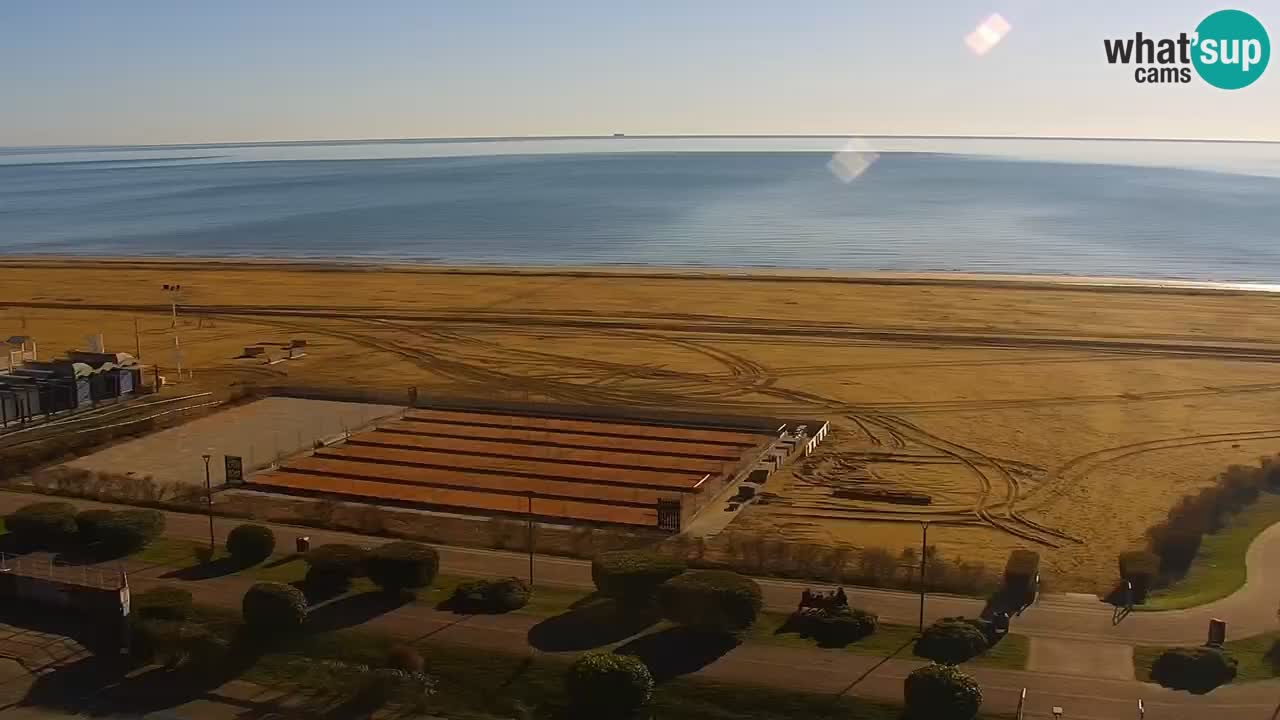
[
  {"x": 137, "y": 341},
  {"x": 208, "y": 496},
  {"x": 924, "y": 559}
]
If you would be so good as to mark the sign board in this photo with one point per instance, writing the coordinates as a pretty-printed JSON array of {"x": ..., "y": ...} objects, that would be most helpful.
[
  {"x": 234, "y": 469},
  {"x": 413, "y": 396},
  {"x": 669, "y": 515},
  {"x": 124, "y": 601}
]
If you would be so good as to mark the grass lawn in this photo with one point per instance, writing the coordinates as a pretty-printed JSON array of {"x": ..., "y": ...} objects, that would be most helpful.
[
  {"x": 891, "y": 640},
  {"x": 1218, "y": 569},
  {"x": 1258, "y": 658}
]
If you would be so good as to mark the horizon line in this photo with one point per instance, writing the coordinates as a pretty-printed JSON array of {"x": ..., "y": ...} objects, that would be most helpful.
[{"x": 651, "y": 136}]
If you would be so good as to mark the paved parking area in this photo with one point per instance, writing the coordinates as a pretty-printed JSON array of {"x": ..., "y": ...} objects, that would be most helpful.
[{"x": 258, "y": 432}]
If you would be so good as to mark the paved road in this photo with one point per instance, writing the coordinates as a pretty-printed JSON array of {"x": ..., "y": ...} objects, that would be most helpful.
[{"x": 1249, "y": 611}]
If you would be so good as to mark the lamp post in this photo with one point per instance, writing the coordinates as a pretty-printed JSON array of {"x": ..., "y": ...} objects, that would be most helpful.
[
  {"x": 924, "y": 559},
  {"x": 208, "y": 499},
  {"x": 529, "y": 535}
]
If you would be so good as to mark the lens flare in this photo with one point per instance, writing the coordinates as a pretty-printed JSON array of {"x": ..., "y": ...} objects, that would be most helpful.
[
  {"x": 849, "y": 163},
  {"x": 988, "y": 34}
]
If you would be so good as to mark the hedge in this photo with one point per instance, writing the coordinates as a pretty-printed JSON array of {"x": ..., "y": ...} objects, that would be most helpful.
[
  {"x": 490, "y": 596},
  {"x": 87, "y": 522},
  {"x": 129, "y": 530},
  {"x": 272, "y": 608},
  {"x": 605, "y": 685},
  {"x": 843, "y": 628},
  {"x": 941, "y": 692},
  {"x": 1194, "y": 669},
  {"x": 249, "y": 544},
  {"x": 43, "y": 524},
  {"x": 402, "y": 565},
  {"x": 711, "y": 600},
  {"x": 951, "y": 641},
  {"x": 632, "y": 577},
  {"x": 1141, "y": 568},
  {"x": 162, "y": 603},
  {"x": 330, "y": 568}
]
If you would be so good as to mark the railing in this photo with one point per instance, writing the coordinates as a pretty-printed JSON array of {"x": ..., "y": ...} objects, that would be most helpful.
[{"x": 46, "y": 568}]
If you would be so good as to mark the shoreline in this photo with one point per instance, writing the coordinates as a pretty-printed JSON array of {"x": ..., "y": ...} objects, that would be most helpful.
[{"x": 952, "y": 278}]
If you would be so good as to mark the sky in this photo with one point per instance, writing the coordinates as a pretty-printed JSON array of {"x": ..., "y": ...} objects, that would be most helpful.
[{"x": 144, "y": 72}]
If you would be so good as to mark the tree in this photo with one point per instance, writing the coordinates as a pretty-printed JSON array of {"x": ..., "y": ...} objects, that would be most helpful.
[
  {"x": 1020, "y": 573},
  {"x": 711, "y": 600},
  {"x": 941, "y": 692},
  {"x": 43, "y": 524},
  {"x": 127, "y": 531},
  {"x": 331, "y": 567},
  {"x": 272, "y": 608},
  {"x": 1140, "y": 568},
  {"x": 249, "y": 544},
  {"x": 951, "y": 641},
  {"x": 632, "y": 577},
  {"x": 402, "y": 565},
  {"x": 604, "y": 685},
  {"x": 490, "y": 596},
  {"x": 1194, "y": 669}
]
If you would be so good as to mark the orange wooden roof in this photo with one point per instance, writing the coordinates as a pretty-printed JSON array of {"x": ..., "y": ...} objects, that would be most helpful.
[
  {"x": 652, "y": 446},
  {"x": 596, "y": 427}
]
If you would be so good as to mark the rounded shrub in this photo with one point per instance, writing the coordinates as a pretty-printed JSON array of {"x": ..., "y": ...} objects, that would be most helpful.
[
  {"x": 127, "y": 531},
  {"x": 248, "y": 544},
  {"x": 951, "y": 641},
  {"x": 632, "y": 577},
  {"x": 43, "y": 524},
  {"x": 272, "y": 608},
  {"x": 405, "y": 659},
  {"x": 490, "y": 596},
  {"x": 941, "y": 692},
  {"x": 844, "y": 627},
  {"x": 162, "y": 603},
  {"x": 1194, "y": 669},
  {"x": 330, "y": 568},
  {"x": 604, "y": 685},
  {"x": 402, "y": 565},
  {"x": 711, "y": 600},
  {"x": 87, "y": 522}
]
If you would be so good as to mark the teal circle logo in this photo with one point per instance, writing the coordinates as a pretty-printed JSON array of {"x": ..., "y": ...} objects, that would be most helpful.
[{"x": 1231, "y": 49}]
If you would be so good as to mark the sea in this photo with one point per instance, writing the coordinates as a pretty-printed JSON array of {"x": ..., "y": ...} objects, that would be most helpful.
[{"x": 1190, "y": 210}]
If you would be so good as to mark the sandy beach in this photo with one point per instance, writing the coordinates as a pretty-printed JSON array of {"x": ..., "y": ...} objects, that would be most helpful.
[{"x": 1061, "y": 414}]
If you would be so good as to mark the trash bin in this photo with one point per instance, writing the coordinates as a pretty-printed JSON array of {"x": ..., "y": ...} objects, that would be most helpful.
[
  {"x": 304, "y": 544},
  {"x": 1217, "y": 632}
]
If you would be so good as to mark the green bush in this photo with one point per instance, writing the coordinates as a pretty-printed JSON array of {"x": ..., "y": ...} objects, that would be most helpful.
[
  {"x": 248, "y": 544},
  {"x": 951, "y": 641},
  {"x": 604, "y": 685},
  {"x": 1140, "y": 568},
  {"x": 842, "y": 628},
  {"x": 402, "y": 565},
  {"x": 43, "y": 524},
  {"x": 126, "y": 531},
  {"x": 711, "y": 600},
  {"x": 271, "y": 608},
  {"x": 490, "y": 596},
  {"x": 162, "y": 603},
  {"x": 941, "y": 692},
  {"x": 632, "y": 577},
  {"x": 330, "y": 568},
  {"x": 1194, "y": 669},
  {"x": 87, "y": 522},
  {"x": 172, "y": 643},
  {"x": 405, "y": 659}
]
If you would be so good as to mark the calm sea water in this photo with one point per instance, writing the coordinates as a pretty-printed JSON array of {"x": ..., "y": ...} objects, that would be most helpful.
[{"x": 1116, "y": 209}]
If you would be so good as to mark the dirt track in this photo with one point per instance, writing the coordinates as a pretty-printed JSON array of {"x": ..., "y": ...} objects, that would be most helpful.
[{"x": 1066, "y": 420}]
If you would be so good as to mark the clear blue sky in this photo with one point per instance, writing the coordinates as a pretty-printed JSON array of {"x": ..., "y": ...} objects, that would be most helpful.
[{"x": 134, "y": 71}]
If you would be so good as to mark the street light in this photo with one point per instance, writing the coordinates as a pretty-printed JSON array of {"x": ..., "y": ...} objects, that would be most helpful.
[
  {"x": 924, "y": 556},
  {"x": 208, "y": 499},
  {"x": 529, "y": 534}
]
